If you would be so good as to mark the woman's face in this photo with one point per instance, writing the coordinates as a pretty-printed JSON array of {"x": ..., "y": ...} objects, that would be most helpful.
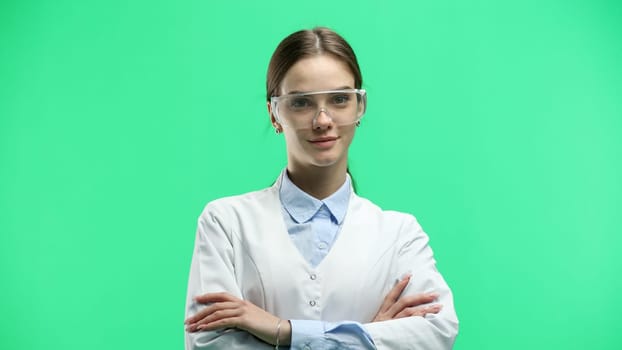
[{"x": 322, "y": 143}]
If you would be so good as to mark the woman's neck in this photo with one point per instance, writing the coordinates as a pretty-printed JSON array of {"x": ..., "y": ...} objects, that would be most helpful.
[{"x": 318, "y": 182}]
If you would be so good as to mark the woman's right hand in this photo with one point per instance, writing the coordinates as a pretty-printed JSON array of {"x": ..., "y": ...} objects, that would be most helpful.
[{"x": 396, "y": 306}]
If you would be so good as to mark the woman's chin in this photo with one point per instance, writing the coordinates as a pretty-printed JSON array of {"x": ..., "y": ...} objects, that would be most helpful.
[{"x": 325, "y": 161}]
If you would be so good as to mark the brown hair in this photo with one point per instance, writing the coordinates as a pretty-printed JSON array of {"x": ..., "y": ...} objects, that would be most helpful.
[{"x": 306, "y": 43}]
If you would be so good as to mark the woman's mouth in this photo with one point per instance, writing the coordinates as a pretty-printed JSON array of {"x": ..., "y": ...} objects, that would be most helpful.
[{"x": 324, "y": 142}]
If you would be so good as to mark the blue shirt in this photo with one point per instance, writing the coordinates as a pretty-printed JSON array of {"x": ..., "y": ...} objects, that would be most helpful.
[{"x": 313, "y": 225}]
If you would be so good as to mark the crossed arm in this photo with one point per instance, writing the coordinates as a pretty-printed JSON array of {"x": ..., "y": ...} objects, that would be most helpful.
[{"x": 227, "y": 311}]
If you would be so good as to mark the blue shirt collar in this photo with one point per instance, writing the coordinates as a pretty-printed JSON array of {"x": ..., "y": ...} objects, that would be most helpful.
[{"x": 302, "y": 207}]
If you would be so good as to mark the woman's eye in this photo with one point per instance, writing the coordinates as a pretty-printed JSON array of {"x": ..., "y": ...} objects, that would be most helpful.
[
  {"x": 341, "y": 99},
  {"x": 299, "y": 103}
]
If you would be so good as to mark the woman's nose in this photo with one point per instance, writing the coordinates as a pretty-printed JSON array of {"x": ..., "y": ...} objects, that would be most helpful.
[{"x": 322, "y": 120}]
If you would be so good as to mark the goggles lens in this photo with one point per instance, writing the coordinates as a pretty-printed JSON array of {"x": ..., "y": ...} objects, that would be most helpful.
[{"x": 300, "y": 110}]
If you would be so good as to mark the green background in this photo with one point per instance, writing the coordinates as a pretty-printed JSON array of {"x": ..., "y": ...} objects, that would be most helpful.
[{"x": 498, "y": 124}]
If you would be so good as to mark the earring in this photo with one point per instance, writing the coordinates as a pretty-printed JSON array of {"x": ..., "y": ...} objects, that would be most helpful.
[
  {"x": 358, "y": 123},
  {"x": 277, "y": 131}
]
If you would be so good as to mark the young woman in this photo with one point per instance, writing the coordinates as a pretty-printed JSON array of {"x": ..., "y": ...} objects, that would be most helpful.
[{"x": 306, "y": 263}]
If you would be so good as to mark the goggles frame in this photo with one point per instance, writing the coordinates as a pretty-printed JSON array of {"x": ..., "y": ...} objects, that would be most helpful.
[{"x": 274, "y": 100}]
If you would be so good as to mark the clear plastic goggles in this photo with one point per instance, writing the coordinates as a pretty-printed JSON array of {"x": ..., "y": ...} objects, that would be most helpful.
[{"x": 301, "y": 110}]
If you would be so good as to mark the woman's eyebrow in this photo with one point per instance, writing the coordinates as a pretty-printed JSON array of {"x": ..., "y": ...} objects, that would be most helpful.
[{"x": 293, "y": 92}]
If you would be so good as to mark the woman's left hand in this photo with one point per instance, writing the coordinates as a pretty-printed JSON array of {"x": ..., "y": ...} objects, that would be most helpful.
[
  {"x": 226, "y": 311},
  {"x": 397, "y": 306}
]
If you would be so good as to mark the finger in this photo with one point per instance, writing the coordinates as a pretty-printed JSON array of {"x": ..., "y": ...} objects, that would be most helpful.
[
  {"x": 220, "y": 324},
  {"x": 218, "y": 319},
  {"x": 419, "y": 311},
  {"x": 394, "y": 294},
  {"x": 219, "y": 315},
  {"x": 210, "y": 310},
  {"x": 411, "y": 301},
  {"x": 214, "y": 298}
]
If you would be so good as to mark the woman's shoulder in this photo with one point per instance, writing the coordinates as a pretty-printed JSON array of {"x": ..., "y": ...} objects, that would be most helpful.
[
  {"x": 258, "y": 198},
  {"x": 369, "y": 208},
  {"x": 396, "y": 227}
]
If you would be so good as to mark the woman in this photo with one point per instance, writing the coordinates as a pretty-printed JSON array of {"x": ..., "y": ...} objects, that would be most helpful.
[{"x": 307, "y": 263}]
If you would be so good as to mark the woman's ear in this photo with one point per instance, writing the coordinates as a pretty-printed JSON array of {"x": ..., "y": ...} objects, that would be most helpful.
[{"x": 277, "y": 127}]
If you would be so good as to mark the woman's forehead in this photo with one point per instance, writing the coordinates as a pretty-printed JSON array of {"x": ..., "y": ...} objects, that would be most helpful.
[{"x": 317, "y": 73}]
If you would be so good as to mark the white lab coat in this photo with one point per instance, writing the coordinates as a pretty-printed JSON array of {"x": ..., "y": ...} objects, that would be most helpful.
[{"x": 242, "y": 247}]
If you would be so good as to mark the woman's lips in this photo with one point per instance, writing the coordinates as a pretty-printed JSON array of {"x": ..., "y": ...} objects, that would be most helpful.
[{"x": 324, "y": 142}]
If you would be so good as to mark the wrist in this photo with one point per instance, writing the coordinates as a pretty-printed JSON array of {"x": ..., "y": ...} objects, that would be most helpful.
[{"x": 284, "y": 333}]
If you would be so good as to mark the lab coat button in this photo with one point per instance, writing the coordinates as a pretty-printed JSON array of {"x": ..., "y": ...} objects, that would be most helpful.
[
  {"x": 312, "y": 303},
  {"x": 313, "y": 276},
  {"x": 307, "y": 347},
  {"x": 323, "y": 245}
]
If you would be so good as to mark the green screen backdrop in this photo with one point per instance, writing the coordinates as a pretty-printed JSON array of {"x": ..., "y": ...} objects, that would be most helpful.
[{"x": 497, "y": 123}]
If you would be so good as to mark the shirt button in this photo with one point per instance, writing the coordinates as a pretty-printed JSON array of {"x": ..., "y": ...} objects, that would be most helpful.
[
  {"x": 313, "y": 276},
  {"x": 322, "y": 245},
  {"x": 307, "y": 347},
  {"x": 312, "y": 303}
]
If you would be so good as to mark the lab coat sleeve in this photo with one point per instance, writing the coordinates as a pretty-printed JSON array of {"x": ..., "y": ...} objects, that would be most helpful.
[
  {"x": 212, "y": 271},
  {"x": 434, "y": 331}
]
